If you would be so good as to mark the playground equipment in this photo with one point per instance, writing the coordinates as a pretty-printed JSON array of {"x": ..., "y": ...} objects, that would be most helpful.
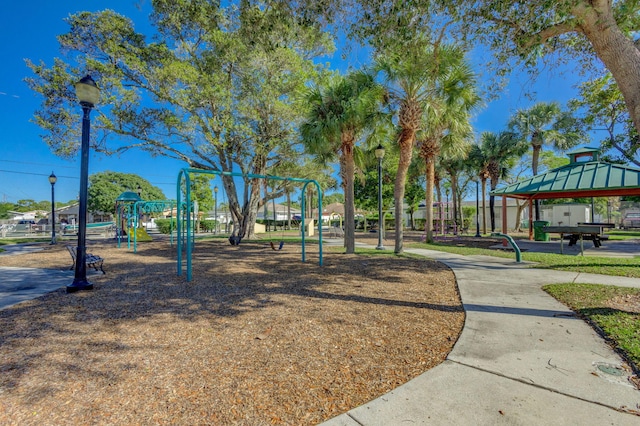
[
  {"x": 124, "y": 213},
  {"x": 149, "y": 207},
  {"x": 129, "y": 208},
  {"x": 185, "y": 208}
]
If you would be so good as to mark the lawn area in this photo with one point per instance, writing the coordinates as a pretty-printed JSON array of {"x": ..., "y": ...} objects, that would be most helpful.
[
  {"x": 617, "y": 235},
  {"x": 613, "y": 311},
  {"x": 623, "y": 267}
]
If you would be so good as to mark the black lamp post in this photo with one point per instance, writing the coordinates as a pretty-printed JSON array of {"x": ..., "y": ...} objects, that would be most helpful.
[
  {"x": 215, "y": 208},
  {"x": 478, "y": 209},
  {"x": 88, "y": 94},
  {"x": 446, "y": 207},
  {"x": 52, "y": 180},
  {"x": 380, "y": 155}
]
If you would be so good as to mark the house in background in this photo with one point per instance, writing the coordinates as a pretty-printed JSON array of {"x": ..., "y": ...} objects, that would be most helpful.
[
  {"x": 69, "y": 214},
  {"x": 281, "y": 212}
]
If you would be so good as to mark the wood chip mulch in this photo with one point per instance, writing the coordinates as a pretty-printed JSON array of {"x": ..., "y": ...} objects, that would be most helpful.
[{"x": 257, "y": 337}]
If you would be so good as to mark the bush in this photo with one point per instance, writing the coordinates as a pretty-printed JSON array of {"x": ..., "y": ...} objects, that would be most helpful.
[
  {"x": 207, "y": 225},
  {"x": 165, "y": 225}
]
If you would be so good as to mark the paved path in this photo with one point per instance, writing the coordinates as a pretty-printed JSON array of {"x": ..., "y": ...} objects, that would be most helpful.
[{"x": 522, "y": 359}]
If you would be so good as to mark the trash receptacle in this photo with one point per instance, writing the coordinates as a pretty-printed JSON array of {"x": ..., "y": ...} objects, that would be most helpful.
[{"x": 538, "y": 233}]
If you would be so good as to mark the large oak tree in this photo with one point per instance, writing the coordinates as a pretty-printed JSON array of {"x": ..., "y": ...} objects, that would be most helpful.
[{"x": 214, "y": 87}]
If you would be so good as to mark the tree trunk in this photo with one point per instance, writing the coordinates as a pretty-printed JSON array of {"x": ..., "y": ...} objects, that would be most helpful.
[
  {"x": 537, "y": 147},
  {"x": 428, "y": 199},
  {"x": 494, "y": 185},
  {"x": 454, "y": 198},
  {"x": 349, "y": 207},
  {"x": 405, "y": 142},
  {"x": 288, "y": 210},
  {"x": 519, "y": 215},
  {"x": 616, "y": 50},
  {"x": 484, "y": 206}
]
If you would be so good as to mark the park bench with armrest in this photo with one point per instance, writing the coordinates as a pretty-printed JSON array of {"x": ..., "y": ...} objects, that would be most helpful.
[{"x": 91, "y": 260}]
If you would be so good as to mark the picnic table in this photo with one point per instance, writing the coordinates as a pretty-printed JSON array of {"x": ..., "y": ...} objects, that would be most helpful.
[{"x": 592, "y": 231}]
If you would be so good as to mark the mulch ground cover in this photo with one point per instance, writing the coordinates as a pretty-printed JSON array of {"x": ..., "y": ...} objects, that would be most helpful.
[{"x": 257, "y": 337}]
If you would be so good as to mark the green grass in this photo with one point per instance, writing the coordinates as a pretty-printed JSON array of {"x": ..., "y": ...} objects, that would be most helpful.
[
  {"x": 7, "y": 241},
  {"x": 623, "y": 267},
  {"x": 619, "y": 235},
  {"x": 590, "y": 302}
]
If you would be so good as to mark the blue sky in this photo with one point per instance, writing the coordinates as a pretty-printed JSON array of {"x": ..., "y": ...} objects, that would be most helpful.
[{"x": 29, "y": 30}]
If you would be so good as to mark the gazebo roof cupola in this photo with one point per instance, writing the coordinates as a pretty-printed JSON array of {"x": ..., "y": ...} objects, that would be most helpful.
[{"x": 584, "y": 155}]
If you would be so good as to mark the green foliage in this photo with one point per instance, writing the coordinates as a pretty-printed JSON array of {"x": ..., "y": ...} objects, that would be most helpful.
[
  {"x": 338, "y": 115},
  {"x": 207, "y": 225},
  {"x": 216, "y": 89},
  {"x": 335, "y": 197},
  {"x": 166, "y": 225},
  {"x": 546, "y": 124},
  {"x": 201, "y": 191},
  {"x": 597, "y": 303},
  {"x": 105, "y": 187},
  {"x": 604, "y": 109},
  {"x": 4, "y": 210}
]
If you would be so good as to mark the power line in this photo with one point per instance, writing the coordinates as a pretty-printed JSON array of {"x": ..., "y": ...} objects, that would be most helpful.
[
  {"x": 36, "y": 174},
  {"x": 38, "y": 164},
  {"x": 70, "y": 177}
]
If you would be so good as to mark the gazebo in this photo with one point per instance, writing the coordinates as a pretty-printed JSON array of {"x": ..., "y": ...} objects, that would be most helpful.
[{"x": 584, "y": 176}]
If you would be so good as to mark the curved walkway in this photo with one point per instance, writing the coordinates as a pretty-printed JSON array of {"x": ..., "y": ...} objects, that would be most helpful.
[{"x": 523, "y": 358}]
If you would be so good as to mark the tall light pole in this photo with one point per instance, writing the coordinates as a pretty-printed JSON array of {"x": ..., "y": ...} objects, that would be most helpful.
[
  {"x": 215, "y": 209},
  {"x": 446, "y": 217},
  {"x": 88, "y": 94},
  {"x": 380, "y": 155},
  {"x": 478, "y": 210},
  {"x": 52, "y": 180}
]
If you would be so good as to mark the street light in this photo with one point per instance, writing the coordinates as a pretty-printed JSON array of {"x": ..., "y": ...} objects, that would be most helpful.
[
  {"x": 52, "y": 180},
  {"x": 88, "y": 94},
  {"x": 478, "y": 210},
  {"x": 446, "y": 216},
  {"x": 215, "y": 208},
  {"x": 380, "y": 155}
]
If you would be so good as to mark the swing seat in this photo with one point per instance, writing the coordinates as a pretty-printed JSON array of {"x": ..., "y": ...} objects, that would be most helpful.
[
  {"x": 273, "y": 246},
  {"x": 234, "y": 240}
]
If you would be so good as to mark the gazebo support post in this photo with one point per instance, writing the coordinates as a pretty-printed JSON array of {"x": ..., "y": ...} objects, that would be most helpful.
[
  {"x": 504, "y": 219},
  {"x": 530, "y": 219}
]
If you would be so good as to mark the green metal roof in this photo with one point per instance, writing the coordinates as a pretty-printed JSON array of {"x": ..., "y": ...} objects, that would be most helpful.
[
  {"x": 128, "y": 196},
  {"x": 578, "y": 179}
]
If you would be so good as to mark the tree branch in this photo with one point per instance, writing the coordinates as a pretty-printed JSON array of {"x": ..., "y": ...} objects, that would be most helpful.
[{"x": 541, "y": 37}]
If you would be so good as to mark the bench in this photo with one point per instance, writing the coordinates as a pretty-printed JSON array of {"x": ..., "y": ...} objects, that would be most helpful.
[
  {"x": 91, "y": 260},
  {"x": 336, "y": 232}
]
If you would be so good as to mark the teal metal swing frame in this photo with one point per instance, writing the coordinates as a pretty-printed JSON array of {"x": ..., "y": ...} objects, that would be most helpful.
[{"x": 187, "y": 206}]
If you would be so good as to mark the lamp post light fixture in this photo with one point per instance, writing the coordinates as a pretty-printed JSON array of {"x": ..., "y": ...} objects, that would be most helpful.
[
  {"x": 215, "y": 208},
  {"x": 88, "y": 94},
  {"x": 52, "y": 180},
  {"x": 478, "y": 210},
  {"x": 380, "y": 155}
]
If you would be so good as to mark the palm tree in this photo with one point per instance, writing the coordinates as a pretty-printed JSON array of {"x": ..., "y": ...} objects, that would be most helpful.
[
  {"x": 545, "y": 124},
  {"x": 497, "y": 153},
  {"x": 480, "y": 163},
  {"x": 337, "y": 116},
  {"x": 454, "y": 166},
  {"x": 419, "y": 77},
  {"x": 447, "y": 119}
]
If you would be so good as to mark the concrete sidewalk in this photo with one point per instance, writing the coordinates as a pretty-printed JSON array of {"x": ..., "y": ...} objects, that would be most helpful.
[
  {"x": 522, "y": 359},
  {"x": 20, "y": 284}
]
